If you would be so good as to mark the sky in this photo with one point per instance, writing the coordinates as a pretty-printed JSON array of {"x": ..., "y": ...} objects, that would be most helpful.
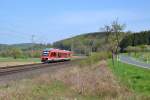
[{"x": 53, "y": 20}]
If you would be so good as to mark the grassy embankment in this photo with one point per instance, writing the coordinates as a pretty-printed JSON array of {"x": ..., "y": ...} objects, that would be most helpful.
[
  {"x": 135, "y": 78},
  {"x": 7, "y": 59}
]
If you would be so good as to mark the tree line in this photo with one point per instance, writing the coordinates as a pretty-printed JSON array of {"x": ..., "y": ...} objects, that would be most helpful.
[
  {"x": 135, "y": 39},
  {"x": 23, "y": 50},
  {"x": 98, "y": 41}
]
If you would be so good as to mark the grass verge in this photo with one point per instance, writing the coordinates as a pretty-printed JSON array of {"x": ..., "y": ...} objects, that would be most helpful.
[
  {"x": 4, "y": 62},
  {"x": 10, "y": 59},
  {"x": 135, "y": 78}
]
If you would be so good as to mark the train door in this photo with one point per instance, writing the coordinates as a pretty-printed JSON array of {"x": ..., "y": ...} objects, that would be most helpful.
[{"x": 53, "y": 55}]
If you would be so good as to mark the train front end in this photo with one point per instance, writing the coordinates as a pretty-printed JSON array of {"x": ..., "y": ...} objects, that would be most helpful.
[{"x": 45, "y": 57}]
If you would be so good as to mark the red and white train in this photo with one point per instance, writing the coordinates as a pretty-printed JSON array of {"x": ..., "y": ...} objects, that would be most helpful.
[{"x": 53, "y": 55}]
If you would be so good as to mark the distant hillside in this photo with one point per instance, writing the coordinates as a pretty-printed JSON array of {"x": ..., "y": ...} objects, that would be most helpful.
[
  {"x": 3, "y": 46},
  {"x": 82, "y": 43},
  {"x": 23, "y": 50},
  {"x": 94, "y": 41},
  {"x": 28, "y": 46},
  {"x": 25, "y": 46}
]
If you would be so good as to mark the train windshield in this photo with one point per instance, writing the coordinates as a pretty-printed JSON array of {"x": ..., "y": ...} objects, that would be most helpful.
[{"x": 45, "y": 53}]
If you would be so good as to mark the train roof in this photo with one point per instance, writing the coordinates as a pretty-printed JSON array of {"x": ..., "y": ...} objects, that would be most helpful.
[
  {"x": 48, "y": 49},
  {"x": 56, "y": 50}
]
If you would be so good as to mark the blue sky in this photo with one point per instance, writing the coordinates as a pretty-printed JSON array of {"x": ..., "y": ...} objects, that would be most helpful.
[{"x": 52, "y": 20}]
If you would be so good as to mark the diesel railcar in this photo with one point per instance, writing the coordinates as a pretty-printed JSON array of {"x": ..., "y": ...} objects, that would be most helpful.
[{"x": 54, "y": 55}]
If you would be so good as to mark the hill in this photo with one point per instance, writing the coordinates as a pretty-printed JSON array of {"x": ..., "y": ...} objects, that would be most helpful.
[
  {"x": 94, "y": 41},
  {"x": 29, "y": 46},
  {"x": 25, "y": 46},
  {"x": 82, "y": 43},
  {"x": 3, "y": 46}
]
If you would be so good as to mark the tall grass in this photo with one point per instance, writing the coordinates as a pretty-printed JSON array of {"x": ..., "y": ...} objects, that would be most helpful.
[
  {"x": 94, "y": 58},
  {"x": 95, "y": 81}
]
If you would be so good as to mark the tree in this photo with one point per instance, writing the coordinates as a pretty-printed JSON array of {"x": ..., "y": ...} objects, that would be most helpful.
[
  {"x": 114, "y": 35},
  {"x": 16, "y": 53},
  {"x": 117, "y": 30}
]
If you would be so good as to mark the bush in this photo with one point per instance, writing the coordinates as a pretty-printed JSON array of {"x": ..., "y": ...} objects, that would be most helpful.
[
  {"x": 94, "y": 58},
  {"x": 5, "y": 53},
  {"x": 16, "y": 53},
  {"x": 19, "y": 53}
]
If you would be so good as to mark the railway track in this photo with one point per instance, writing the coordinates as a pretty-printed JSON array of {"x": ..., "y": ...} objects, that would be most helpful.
[{"x": 28, "y": 67}]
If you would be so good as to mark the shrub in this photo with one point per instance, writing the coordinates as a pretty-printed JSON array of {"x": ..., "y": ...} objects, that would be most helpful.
[
  {"x": 16, "y": 53},
  {"x": 94, "y": 58}
]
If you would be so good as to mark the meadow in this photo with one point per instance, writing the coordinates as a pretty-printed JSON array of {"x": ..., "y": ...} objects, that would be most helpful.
[
  {"x": 9, "y": 61},
  {"x": 135, "y": 78}
]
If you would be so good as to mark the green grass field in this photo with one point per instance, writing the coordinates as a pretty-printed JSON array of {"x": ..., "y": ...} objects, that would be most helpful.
[
  {"x": 135, "y": 78},
  {"x": 10, "y": 59}
]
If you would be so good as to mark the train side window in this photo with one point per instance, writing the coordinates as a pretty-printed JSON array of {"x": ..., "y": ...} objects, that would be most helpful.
[
  {"x": 59, "y": 55},
  {"x": 53, "y": 54}
]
